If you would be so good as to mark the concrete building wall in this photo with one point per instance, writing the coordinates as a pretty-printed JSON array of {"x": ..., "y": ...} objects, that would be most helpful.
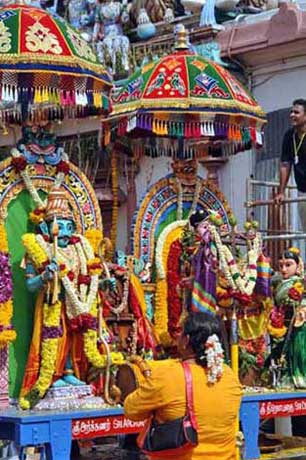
[
  {"x": 233, "y": 176},
  {"x": 276, "y": 86}
]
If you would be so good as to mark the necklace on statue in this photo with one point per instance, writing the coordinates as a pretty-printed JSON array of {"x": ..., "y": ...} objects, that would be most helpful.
[{"x": 69, "y": 256}]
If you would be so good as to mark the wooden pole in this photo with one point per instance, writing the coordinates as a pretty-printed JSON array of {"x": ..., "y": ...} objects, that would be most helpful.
[
  {"x": 235, "y": 361},
  {"x": 55, "y": 280}
]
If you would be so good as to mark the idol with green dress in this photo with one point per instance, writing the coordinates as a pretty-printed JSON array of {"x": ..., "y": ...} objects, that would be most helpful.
[{"x": 287, "y": 326}]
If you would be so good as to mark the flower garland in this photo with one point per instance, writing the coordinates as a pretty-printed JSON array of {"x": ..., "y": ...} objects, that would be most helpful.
[
  {"x": 51, "y": 334},
  {"x": 94, "y": 237},
  {"x": 214, "y": 357},
  {"x": 173, "y": 280},
  {"x": 175, "y": 227},
  {"x": 78, "y": 302},
  {"x": 124, "y": 275},
  {"x": 195, "y": 197},
  {"x": 90, "y": 337},
  {"x": 295, "y": 294},
  {"x": 179, "y": 212},
  {"x": 115, "y": 193},
  {"x": 171, "y": 233},
  {"x": 245, "y": 284},
  {"x": 7, "y": 334}
]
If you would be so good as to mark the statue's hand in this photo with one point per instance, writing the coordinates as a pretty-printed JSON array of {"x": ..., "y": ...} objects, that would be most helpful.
[
  {"x": 50, "y": 269},
  {"x": 112, "y": 283},
  {"x": 108, "y": 283}
]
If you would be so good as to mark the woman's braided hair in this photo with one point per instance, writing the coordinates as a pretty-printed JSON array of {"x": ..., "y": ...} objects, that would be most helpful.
[{"x": 199, "y": 326}]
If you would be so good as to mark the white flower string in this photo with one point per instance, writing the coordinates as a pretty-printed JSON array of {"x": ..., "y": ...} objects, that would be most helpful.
[
  {"x": 195, "y": 197},
  {"x": 214, "y": 357},
  {"x": 179, "y": 212},
  {"x": 244, "y": 283},
  {"x": 222, "y": 258},
  {"x": 75, "y": 306},
  {"x": 124, "y": 299},
  {"x": 77, "y": 301}
]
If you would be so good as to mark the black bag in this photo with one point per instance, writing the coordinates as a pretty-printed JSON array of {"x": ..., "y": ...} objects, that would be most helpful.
[{"x": 169, "y": 439}]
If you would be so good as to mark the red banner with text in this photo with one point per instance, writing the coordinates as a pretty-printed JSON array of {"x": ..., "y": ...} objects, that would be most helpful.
[
  {"x": 282, "y": 408},
  {"x": 88, "y": 428}
]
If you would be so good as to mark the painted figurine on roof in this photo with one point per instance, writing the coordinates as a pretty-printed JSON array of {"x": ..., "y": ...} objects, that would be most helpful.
[{"x": 112, "y": 45}]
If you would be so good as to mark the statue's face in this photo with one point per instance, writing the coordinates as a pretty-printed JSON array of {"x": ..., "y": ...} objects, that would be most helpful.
[
  {"x": 288, "y": 268},
  {"x": 38, "y": 144},
  {"x": 185, "y": 171},
  {"x": 202, "y": 228},
  {"x": 66, "y": 228}
]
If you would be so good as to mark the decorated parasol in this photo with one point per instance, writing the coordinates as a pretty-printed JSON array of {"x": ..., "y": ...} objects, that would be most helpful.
[
  {"x": 47, "y": 69},
  {"x": 186, "y": 96}
]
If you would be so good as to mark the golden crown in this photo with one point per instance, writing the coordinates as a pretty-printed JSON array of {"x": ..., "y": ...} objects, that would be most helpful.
[{"x": 58, "y": 206}]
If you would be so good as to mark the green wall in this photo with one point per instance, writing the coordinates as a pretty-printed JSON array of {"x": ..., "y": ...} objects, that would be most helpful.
[{"x": 17, "y": 224}]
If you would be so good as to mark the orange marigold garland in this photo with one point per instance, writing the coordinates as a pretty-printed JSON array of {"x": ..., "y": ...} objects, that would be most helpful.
[
  {"x": 7, "y": 334},
  {"x": 173, "y": 278}
]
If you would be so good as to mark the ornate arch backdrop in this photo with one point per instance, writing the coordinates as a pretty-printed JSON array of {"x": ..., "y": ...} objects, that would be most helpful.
[
  {"x": 159, "y": 225},
  {"x": 159, "y": 208}
]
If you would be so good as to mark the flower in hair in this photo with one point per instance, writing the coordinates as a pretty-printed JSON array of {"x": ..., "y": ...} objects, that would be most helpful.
[{"x": 214, "y": 358}]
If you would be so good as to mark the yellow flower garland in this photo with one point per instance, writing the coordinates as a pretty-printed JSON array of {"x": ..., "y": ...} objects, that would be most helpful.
[
  {"x": 35, "y": 252},
  {"x": 7, "y": 335},
  {"x": 3, "y": 239},
  {"x": 161, "y": 307},
  {"x": 298, "y": 286},
  {"x": 92, "y": 266},
  {"x": 52, "y": 314},
  {"x": 51, "y": 318},
  {"x": 47, "y": 365},
  {"x": 6, "y": 311},
  {"x": 170, "y": 234},
  {"x": 277, "y": 332},
  {"x": 94, "y": 236}
]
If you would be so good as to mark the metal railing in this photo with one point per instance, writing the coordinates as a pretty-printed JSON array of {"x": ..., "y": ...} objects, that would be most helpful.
[{"x": 279, "y": 224}]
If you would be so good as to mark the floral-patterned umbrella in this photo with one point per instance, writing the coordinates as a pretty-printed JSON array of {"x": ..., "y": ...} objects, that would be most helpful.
[
  {"x": 184, "y": 95},
  {"x": 46, "y": 68}
]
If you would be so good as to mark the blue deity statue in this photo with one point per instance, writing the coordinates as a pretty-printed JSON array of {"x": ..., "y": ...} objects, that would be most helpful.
[{"x": 58, "y": 266}]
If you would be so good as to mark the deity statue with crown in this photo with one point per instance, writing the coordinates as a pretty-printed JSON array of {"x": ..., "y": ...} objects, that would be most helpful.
[{"x": 61, "y": 266}]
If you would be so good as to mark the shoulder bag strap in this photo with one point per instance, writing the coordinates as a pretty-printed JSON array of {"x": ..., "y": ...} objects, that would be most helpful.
[{"x": 189, "y": 394}]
